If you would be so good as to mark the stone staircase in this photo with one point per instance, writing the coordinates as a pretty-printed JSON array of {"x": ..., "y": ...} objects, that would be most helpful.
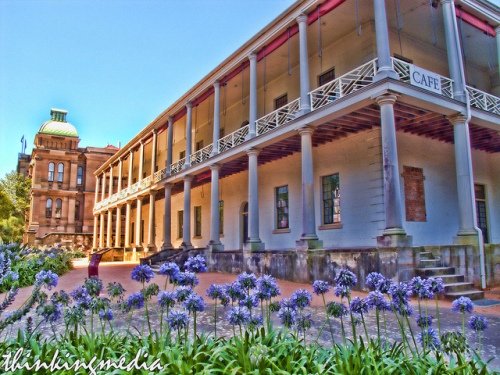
[{"x": 454, "y": 284}]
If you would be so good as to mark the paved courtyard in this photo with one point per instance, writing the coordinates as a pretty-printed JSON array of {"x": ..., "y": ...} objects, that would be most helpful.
[{"x": 120, "y": 272}]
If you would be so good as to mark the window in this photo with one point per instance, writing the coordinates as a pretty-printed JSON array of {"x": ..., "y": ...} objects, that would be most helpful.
[
  {"x": 331, "y": 199},
  {"x": 180, "y": 221},
  {"x": 413, "y": 182},
  {"x": 77, "y": 210},
  {"x": 280, "y": 101},
  {"x": 482, "y": 217},
  {"x": 50, "y": 178},
  {"x": 58, "y": 208},
  {"x": 282, "y": 207},
  {"x": 221, "y": 217},
  {"x": 79, "y": 176},
  {"x": 60, "y": 172},
  {"x": 182, "y": 155},
  {"x": 48, "y": 208},
  {"x": 326, "y": 77},
  {"x": 197, "y": 221},
  {"x": 199, "y": 145}
]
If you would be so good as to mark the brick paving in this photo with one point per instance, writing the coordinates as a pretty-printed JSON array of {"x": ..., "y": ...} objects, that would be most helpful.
[{"x": 120, "y": 272}]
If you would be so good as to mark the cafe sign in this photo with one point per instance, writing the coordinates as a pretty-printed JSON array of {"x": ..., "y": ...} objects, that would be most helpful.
[{"x": 425, "y": 79}]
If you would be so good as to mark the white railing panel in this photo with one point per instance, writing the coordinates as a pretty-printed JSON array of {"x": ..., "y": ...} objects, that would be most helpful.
[
  {"x": 177, "y": 166},
  {"x": 202, "y": 155},
  {"x": 482, "y": 100},
  {"x": 233, "y": 139},
  {"x": 279, "y": 117}
]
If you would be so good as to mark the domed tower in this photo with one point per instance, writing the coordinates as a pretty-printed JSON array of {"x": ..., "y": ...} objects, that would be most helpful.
[{"x": 62, "y": 185}]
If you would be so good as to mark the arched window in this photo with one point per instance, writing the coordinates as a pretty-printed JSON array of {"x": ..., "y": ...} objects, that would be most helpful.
[
  {"x": 77, "y": 210},
  {"x": 79, "y": 176},
  {"x": 51, "y": 172},
  {"x": 58, "y": 208},
  {"x": 48, "y": 208},
  {"x": 60, "y": 172}
]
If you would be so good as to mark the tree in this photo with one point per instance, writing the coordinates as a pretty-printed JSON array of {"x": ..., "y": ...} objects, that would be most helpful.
[{"x": 14, "y": 201}]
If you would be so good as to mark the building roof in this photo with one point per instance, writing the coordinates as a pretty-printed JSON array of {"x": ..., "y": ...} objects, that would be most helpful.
[{"x": 58, "y": 125}]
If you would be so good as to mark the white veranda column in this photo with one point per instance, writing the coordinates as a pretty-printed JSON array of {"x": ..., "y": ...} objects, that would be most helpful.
[
  {"x": 151, "y": 220},
  {"x": 96, "y": 231},
  {"x": 308, "y": 219},
  {"x": 167, "y": 218},
  {"x": 189, "y": 134},
  {"x": 109, "y": 235},
  {"x": 103, "y": 192},
  {"x": 130, "y": 168},
  {"x": 170, "y": 136},
  {"x": 392, "y": 189},
  {"x": 153, "y": 152},
  {"x": 214, "y": 207},
  {"x": 216, "y": 131},
  {"x": 110, "y": 193},
  {"x": 101, "y": 231},
  {"x": 128, "y": 209},
  {"x": 305, "y": 105},
  {"x": 96, "y": 194},
  {"x": 141, "y": 161},
  {"x": 253, "y": 197},
  {"x": 186, "y": 232},
  {"x": 120, "y": 175},
  {"x": 138, "y": 222},
  {"x": 118, "y": 228},
  {"x": 385, "y": 69},
  {"x": 252, "y": 116}
]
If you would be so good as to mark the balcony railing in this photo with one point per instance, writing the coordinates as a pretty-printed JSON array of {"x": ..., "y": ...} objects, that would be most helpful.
[
  {"x": 482, "y": 100},
  {"x": 279, "y": 117},
  {"x": 344, "y": 85}
]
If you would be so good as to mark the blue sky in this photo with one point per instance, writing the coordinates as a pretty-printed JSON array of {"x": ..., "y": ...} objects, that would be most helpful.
[{"x": 114, "y": 64}]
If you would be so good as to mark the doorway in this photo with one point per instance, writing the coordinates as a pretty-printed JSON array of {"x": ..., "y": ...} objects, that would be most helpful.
[
  {"x": 482, "y": 217},
  {"x": 243, "y": 224}
]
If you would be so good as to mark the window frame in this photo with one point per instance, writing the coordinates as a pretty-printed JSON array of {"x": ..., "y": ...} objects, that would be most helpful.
[
  {"x": 79, "y": 176},
  {"x": 282, "y": 207},
  {"x": 334, "y": 212},
  {"x": 279, "y": 99},
  {"x": 60, "y": 172},
  {"x": 58, "y": 212},
  {"x": 197, "y": 221},
  {"x": 51, "y": 171},
  {"x": 48, "y": 208},
  {"x": 321, "y": 77}
]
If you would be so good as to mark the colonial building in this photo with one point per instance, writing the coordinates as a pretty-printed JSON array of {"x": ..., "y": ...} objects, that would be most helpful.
[
  {"x": 62, "y": 190},
  {"x": 342, "y": 124}
]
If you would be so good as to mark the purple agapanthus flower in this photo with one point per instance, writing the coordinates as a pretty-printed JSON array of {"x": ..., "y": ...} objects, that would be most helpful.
[
  {"x": 249, "y": 301},
  {"x": 303, "y": 322},
  {"x": 375, "y": 280},
  {"x": 51, "y": 312},
  {"x": 106, "y": 315},
  {"x": 478, "y": 323},
  {"x": 421, "y": 288},
  {"x": 196, "y": 264},
  {"x": 169, "y": 269},
  {"x": 218, "y": 292},
  {"x": 336, "y": 309},
  {"x": 194, "y": 303},
  {"x": 93, "y": 285},
  {"x": 48, "y": 279},
  {"x": 376, "y": 300},
  {"x": 301, "y": 298},
  {"x": 255, "y": 321},
  {"x": 238, "y": 315},
  {"x": 186, "y": 279},
  {"x": 321, "y": 287},
  {"x": 346, "y": 278},
  {"x": 178, "y": 319},
  {"x": 247, "y": 280},
  {"x": 403, "y": 309},
  {"x": 424, "y": 321},
  {"x": 429, "y": 338},
  {"x": 166, "y": 299},
  {"x": 288, "y": 303},
  {"x": 267, "y": 287},
  {"x": 135, "y": 301},
  {"x": 342, "y": 291},
  {"x": 81, "y": 297},
  {"x": 234, "y": 291},
  {"x": 287, "y": 316},
  {"x": 400, "y": 293},
  {"x": 462, "y": 305},
  {"x": 142, "y": 273},
  {"x": 358, "y": 306},
  {"x": 182, "y": 293},
  {"x": 60, "y": 297},
  {"x": 436, "y": 285}
]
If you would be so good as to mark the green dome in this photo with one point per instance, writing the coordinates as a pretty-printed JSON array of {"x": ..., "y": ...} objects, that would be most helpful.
[{"x": 57, "y": 125}]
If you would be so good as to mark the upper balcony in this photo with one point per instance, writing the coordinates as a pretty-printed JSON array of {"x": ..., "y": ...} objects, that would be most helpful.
[{"x": 346, "y": 85}]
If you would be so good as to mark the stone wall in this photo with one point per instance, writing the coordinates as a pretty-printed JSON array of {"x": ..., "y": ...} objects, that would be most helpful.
[{"x": 71, "y": 241}]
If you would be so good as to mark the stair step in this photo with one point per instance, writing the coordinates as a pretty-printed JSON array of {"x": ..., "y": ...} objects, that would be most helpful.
[
  {"x": 424, "y": 263},
  {"x": 472, "y": 294},
  {"x": 435, "y": 271},
  {"x": 449, "y": 279},
  {"x": 458, "y": 287}
]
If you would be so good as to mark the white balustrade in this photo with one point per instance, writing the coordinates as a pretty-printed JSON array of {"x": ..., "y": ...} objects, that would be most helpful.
[
  {"x": 482, "y": 100},
  {"x": 202, "y": 155},
  {"x": 234, "y": 139},
  {"x": 159, "y": 175},
  {"x": 177, "y": 166},
  {"x": 279, "y": 117}
]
